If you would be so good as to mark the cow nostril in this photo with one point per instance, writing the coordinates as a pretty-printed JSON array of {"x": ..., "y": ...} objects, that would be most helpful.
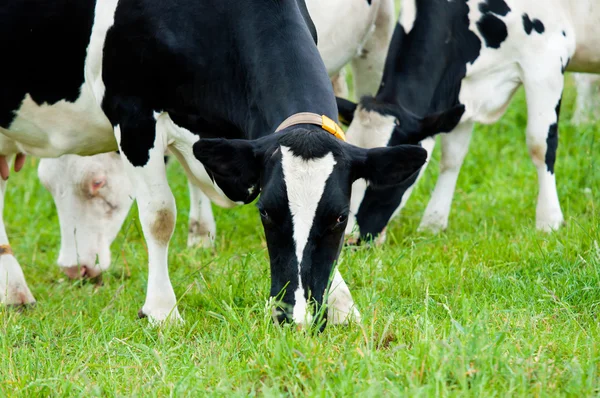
[
  {"x": 84, "y": 272},
  {"x": 96, "y": 183}
]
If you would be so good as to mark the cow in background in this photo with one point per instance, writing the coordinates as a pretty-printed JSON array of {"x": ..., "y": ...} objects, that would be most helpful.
[{"x": 475, "y": 53}]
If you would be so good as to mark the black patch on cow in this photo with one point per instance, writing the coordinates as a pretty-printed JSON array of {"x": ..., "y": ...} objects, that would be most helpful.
[
  {"x": 527, "y": 24},
  {"x": 42, "y": 51},
  {"x": 498, "y": 7},
  {"x": 369, "y": 1},
  {"x": 564, "y": 66},
  {"x": 552, "y": 140},
  {"x": 493, "y": 30},
  {"x": 530, "y": 25},
  {"x": 564, "y": 33},
  {"x": 538, "y": 26}
]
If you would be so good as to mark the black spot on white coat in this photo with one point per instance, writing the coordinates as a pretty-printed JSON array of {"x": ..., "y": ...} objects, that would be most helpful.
[
  {"x": 530, "y": 25},
  {"x": 552, "y": 141},
  {"x": 493, "y": 30},
  {"x": 498, "y": 7}
]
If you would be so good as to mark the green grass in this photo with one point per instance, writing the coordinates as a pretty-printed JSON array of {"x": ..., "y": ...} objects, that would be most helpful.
[{"x": 490, "y": 308}]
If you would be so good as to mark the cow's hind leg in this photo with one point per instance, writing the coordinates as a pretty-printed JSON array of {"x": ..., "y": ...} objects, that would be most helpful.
[
  {"x": 202, "y": 226},
  {"x": 13, "y": 288},
  {"x": 368, "y": 66},
  {"x": 455, "y": 146},
  {"x": 544, "y": 92},
  {"x": 588, "y": 98},
  {"x": 143, "y": 144}
]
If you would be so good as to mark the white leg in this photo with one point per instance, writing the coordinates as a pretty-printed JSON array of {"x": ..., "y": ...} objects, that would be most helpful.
[
  {"x": 202, "y": 227},
  {"x": 340, "y": 305},
  {"x": 455, "y": 146},
  {"x": 340, "y": 86},
  {"x": 544, "y": 92},
  {"x": 367, "y": 68},
  {"x": 13, "y": 288},
  {"x": 157, "y": 213},
  {"x": 588, "y": 98}
]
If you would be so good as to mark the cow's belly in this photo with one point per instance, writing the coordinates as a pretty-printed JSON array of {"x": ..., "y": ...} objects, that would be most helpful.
[
  {"x": 45, "y": 130},
  {"x": 486, "y": 94},
  {"x": 343, "y": 26}
]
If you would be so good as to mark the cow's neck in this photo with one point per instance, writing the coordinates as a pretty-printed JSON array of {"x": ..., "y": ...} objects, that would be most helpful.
[
  {"x": 425, "y": 66},
  {"x": 282, "y": 70}
]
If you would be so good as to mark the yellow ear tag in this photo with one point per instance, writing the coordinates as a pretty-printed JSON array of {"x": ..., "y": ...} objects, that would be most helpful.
[{"x": 333, "y": 128}]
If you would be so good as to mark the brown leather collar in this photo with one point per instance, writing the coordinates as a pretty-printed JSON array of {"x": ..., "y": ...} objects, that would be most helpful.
[{"x": 312, "y": 118}]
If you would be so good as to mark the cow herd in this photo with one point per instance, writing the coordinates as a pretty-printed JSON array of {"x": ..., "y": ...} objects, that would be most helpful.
[{"x": 247, "y": 97}]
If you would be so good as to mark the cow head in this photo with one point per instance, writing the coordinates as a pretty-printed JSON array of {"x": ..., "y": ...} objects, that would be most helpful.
[
  {"x": 304, "y": 175},
  {"x": 378, "y": 124},
  {"x": 92, "y": 196}
]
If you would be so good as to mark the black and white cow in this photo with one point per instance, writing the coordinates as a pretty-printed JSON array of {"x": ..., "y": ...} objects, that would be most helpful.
[
  {"x": 475, "y": 53},
  {"x": 158, "y": 77}
]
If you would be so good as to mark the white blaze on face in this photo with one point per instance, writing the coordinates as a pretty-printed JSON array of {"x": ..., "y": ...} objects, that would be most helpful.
[{"x": 305, "y": 183}]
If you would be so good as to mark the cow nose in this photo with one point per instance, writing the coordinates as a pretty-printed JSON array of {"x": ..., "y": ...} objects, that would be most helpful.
[{"x": 84, "y": 272}]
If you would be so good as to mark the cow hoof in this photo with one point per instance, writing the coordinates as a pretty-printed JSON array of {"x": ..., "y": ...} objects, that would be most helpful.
[
  {"x": 19, "y": 296},
  {"x": 201, "y": 241},
  {"x": 158, "y": 317},
  {"x": 21, "y": 307},
  {"x": 549, "y": 226},
  {"x": 200, "y": 235},
  {"x": 433, "y": 226},
  {"x": 92, "y": 275}
]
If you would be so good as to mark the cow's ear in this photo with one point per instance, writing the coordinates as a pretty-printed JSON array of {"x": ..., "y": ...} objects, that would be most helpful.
[
  {"x": 346, "y": 110},
  {"x": 388, "y": 166},
  {"x": 233, "y": 165}
]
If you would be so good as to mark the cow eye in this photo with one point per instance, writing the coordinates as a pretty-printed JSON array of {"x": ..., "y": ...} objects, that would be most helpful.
[
  {"x": 342, "y": 218},
  {"x": 264, "y": 214}
]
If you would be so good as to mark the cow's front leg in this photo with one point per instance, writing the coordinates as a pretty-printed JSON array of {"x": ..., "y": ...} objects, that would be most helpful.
[
  {"x": 13, "y": 288},
  {"x": 202, "y": 226},
  {"x": 341, "y": 308},
  {"x": 543, "y": 89},
  {"x": 455, "y": 146},
  {"x": 143, "y": 146}
]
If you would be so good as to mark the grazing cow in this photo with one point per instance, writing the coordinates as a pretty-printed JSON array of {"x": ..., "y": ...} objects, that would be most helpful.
[
  {"x": 475, "y": 53},
  {"x": 587, "y": 108},
  {"x": 355, "y": 32},
  {"x": 236, "y": 91}
]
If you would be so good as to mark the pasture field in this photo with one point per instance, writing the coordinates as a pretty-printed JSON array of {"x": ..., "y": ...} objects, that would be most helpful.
[{"x": 491, "y": 307}]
